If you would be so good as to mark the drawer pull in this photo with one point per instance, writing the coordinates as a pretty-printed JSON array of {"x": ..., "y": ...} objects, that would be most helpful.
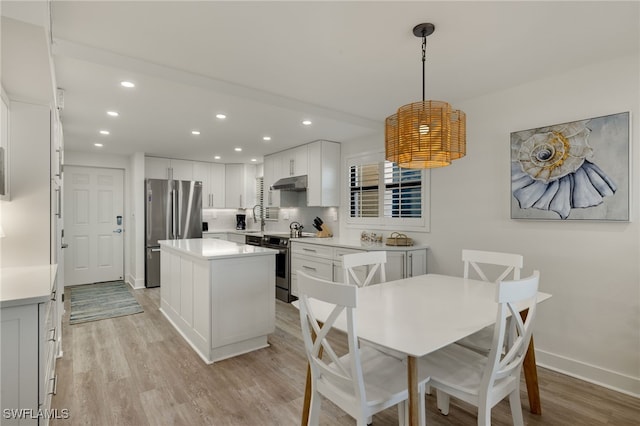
[
  {"x": 309, "y": 268},
  {"x": 53, "y": 335},
  {"x": 308, "y": 249},
  {"x": 53, "y": 295}
]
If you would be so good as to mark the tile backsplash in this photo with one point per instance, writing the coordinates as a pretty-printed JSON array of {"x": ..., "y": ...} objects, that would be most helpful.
[{"x": 224, "y": 219}]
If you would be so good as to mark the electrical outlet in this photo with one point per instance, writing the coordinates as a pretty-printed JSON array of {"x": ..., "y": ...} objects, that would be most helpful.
[
  {"x": 285, "y": 215},
  {"x": 334, "y": 216},
  {"x": 214, "y": 214}
]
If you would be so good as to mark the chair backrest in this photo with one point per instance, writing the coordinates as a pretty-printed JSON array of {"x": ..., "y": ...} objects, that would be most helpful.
[
  {"x": 337, "y": 298},
  {"x": 475, "y": 258},
  {"x": 512, "y": 297},
  {"x": 374, "y": 259}
]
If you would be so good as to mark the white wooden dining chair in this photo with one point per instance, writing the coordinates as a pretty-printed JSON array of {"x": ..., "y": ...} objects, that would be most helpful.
[
  {"x": 362, "y": 382},
  {"x": 481, "y": 380},
  {"x": 374, "y": 260},
  {"x": 507, "y": 265}
]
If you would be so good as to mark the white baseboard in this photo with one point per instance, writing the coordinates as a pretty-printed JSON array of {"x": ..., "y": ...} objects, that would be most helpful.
[
  {"x": 136, "y": 284},
  {"x": 589, "y": 373}
]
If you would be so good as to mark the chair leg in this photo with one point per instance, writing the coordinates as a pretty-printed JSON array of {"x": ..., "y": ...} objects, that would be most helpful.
[
  {"x": 423, "y": 405},
  {"x": 403, "y": 411},
  {"x": 314, "y": 412},
  {"x": 442, "y": 400},
  {"x": 484, "y": 414},
  {"x": 516, "y": 408}
]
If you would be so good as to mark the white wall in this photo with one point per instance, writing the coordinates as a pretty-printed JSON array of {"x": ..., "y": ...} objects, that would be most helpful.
[
  {"x": 25, "y": 219},
  {"x": 591, "y": 326}
]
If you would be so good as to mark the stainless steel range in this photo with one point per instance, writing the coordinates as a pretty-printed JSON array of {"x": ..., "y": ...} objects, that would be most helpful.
[{"x": 278, "y": 242}]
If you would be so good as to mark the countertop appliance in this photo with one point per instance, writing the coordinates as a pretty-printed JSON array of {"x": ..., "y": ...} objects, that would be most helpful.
[
  {"x": 278, "y": 242},
  {"x": 241, "y": 221},
  {"x": 173, "y": 211}
]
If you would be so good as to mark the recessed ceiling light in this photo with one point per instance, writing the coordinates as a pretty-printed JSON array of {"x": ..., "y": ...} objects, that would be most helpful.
[
  {"x": 216, "y": 157},
  {"x": 195, "y": 132},
  {"x": 306, "y": 122},
  {"x": 104, "y": 132},
  {"x": 113, "y": 113},
  {"x": 221, "y": 116},
  {"x": 238, "y": 149},
  {"x": 253, "y": 159},
  {"x": 266, "y": 138},
  {"x": 127, "y": 84},
  {"x": 98, "y": 145}
]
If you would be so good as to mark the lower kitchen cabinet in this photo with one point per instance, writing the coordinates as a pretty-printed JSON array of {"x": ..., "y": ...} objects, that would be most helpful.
[
  {"x": 29, "y": 337},
  {"x": 215, "y": 235},
  {"x": 325, "y": 261},
  {"x": 405, "y": 264}
]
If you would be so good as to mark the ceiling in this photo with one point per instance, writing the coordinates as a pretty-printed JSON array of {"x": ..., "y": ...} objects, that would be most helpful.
[{"x": 268, "y": 65}]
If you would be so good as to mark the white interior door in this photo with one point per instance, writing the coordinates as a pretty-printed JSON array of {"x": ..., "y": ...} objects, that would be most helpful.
[{"x": 93, "y": 202}]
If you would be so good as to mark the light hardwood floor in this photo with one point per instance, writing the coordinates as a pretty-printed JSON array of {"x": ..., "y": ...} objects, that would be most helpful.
[{"x": 137, "y": 370}]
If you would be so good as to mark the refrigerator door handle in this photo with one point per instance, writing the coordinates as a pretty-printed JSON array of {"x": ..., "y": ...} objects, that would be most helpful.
[
  {"x": 174, "y": 215},
  {"x": 149, "y": 195}
]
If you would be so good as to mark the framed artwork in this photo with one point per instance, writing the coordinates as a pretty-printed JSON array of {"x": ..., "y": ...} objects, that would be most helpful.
[{"x": 572, "y": 171}]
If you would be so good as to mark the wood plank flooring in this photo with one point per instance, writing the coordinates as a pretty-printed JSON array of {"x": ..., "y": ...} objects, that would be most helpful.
[{"x": 137, "y": 370}]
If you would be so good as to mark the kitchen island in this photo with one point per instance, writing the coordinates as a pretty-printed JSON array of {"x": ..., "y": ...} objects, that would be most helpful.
[{"x": 218, "y": 294}]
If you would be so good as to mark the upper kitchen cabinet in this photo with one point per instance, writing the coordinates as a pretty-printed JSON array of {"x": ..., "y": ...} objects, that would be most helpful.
[
  {"x": 323, "y": 176},
  {"x": 165, "y": 168},
  {"x": 294, "y": 162},
  {"x": 212, "y": 176},
  {"x": 272, "y": 168},
  {"x": 240, "y": 186}
]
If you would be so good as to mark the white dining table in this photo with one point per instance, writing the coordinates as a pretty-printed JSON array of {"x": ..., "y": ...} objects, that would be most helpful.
[{"x": 419, "y": 315}]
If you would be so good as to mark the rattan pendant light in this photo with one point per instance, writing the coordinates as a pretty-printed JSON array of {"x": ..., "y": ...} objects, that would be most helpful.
[{"x": 425, "y": 134}]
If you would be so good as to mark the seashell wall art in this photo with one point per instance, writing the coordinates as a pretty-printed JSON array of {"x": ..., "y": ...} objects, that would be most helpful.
[{"x": 572, "y": 171}]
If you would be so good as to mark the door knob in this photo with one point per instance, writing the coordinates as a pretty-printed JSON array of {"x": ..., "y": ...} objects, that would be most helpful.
[
  {"x": 119, "y": 231},
  {"x": 65, "y": 245}
]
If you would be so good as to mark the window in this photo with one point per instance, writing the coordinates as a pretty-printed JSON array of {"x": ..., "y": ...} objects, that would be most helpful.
[
  {"x": 270, "y": 213},
  {"x": 383, "y": 194}
]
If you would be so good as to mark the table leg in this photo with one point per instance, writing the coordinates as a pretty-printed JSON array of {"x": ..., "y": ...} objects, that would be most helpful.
[
  {"x": 307, "y": 398},
  {"x": 531, "y": 375},
  {"x": 307, "y": 387},
  {"x": 412, "y": 373}
]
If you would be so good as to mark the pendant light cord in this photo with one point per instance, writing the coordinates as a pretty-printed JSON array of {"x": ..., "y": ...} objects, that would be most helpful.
[{"x": 424, "y": 55}]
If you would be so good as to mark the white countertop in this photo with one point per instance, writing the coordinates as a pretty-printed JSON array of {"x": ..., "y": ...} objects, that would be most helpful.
[
  {"x": 355, "y": 244},
  {"x": 210, "y": 249},
  {"x": 26, "y": 285}
]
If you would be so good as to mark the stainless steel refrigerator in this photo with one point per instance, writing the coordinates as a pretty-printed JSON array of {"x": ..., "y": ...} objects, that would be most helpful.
[{"x": 173, "y": 211}]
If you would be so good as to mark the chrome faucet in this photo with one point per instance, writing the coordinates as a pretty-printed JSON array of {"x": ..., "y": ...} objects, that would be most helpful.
[{"x": 255, "y": 219}]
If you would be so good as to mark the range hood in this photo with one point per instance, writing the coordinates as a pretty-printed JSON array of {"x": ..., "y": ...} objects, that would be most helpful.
[{"x": 293, "y": 183}]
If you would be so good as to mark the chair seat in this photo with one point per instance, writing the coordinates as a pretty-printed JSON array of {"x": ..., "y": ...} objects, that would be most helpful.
[
  {"x": 480, "y": 341},
  {"x": 454, "y": 365},
  {"x": 385, "y": 378}
]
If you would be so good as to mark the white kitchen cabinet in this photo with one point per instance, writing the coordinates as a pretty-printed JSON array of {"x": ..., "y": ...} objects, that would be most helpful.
[
  {"x": 168, "y": 168},
  {"x": 272, "y": 172},
  {"x": 240, "y": 186},
  {"x": 323, "y": 177},
  {"x": 29, "y": 333},
  {"x": 294, "y": 161},
  {"x": 212, "y": 176},
  {"x": 215, "y": 235},
  {"x": 325, "y": 261},
  {"x": 236, "y": 238},
  {"x": 311, "y": 259},
  {"x": 406, "y": 264}
]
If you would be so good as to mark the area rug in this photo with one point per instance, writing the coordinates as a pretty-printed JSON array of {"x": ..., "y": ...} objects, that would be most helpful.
[{"x": 93, "y": 302}]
